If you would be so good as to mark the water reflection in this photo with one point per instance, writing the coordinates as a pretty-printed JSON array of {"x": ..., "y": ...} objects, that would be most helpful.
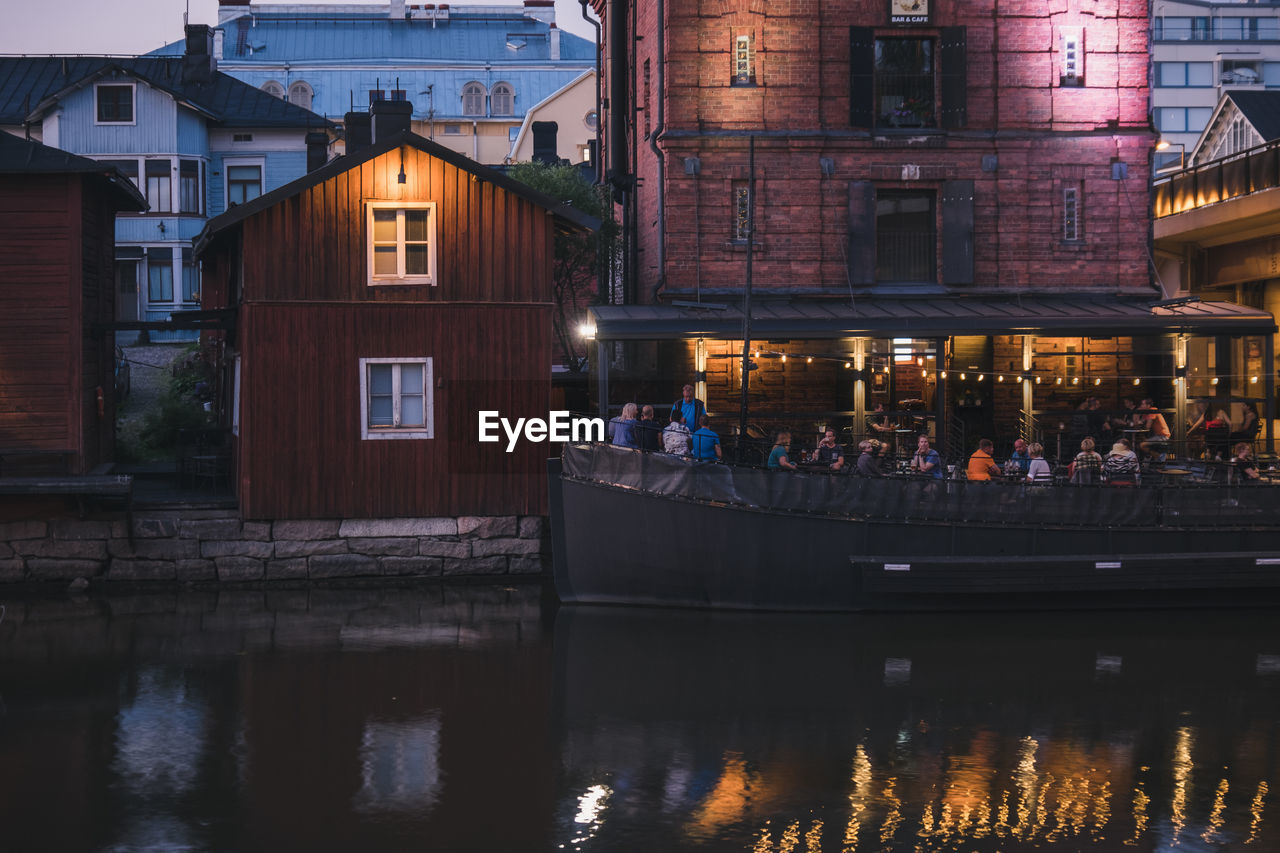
[
  {"x": 926, "y": 732},
  {"x": 480, "y": 718}
]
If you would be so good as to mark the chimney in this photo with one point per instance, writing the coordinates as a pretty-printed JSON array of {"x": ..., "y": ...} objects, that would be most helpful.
[
  {"x": 395, "y": 10},
  {"x": 198, "y": 61},
  {"x": 317, "y": 149},
  {"x": 541, "y": 10},
  {"x": 544, "y": 142},
  {"x": 555, "y": 42},
  {"x": 390, "y": 117},
  {"x": 231, "y": 9},
  {"x": 359, "y": 131},
  {"x": 218, "y": 34}
]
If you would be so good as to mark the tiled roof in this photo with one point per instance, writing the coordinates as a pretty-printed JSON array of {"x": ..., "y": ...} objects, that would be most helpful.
[
  {"x": 27, "y": 157},
  {"x": 26, "y": 81},
  {"x": 1261, "y": 109}
]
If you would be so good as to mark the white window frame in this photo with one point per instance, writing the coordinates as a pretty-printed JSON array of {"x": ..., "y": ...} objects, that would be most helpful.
[
  {"x": 1072, "y": 53},
  {"x": 273, "y": 88},
  {"x": 432, "y": 236},
  {"x": 228, "y": 162},
  {"x": 133, "y": 95},
  {"x": 427, "y": 430},
  {"x": 308, "y": 93},
  {"x": 472, "y": 90},
  {"x": 502, "y": 99},
  {"x": 744, "y": 61}
]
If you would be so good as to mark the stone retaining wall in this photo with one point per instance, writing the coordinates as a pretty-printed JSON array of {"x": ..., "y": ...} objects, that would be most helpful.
[{"x": 215, "y": 545}]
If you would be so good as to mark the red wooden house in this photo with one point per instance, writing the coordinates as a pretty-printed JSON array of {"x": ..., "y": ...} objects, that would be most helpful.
[
  {"x": 382, "y": 302},
  {"x": 57, "y": 233}
]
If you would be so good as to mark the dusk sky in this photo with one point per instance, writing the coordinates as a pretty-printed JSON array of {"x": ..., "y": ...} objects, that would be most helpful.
[{"x": 139, "y": 26}]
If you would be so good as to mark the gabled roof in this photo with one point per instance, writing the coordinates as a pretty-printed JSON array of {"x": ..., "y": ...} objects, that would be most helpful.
[
  {"x": 475, "y": 35},
  {"x": 27, "y": 157},
  {"x": 1261, "y": 109},
  {"x": 568, "y": 217},
  {"x": 29, "y": 84}
]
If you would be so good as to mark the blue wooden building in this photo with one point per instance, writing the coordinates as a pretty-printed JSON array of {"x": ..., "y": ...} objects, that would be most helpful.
[{"x": 192, "y": 139}]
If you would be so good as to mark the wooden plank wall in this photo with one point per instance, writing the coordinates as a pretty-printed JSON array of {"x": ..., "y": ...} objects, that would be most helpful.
[
  {"x": 39, "y": 291},
  {"x": 492, "y": 246},
  {"x": 301, "y": 455},
  {"x": 97, "y": 349}
]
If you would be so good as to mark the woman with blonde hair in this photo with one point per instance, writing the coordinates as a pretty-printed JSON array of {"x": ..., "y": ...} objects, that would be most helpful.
[
  {"x": 778, "y": 456},
  {"x": 1039, "y": 471},
  {"x": 624, "y": 432},
  {"x": 1087, "y": 466}
]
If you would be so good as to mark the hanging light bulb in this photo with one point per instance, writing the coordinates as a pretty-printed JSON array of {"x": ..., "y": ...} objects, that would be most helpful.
[
  {"x": 1075, "y": 380},
  {"x": 1000, "y": 378},
  {"x": 1137, "y": 381},
  {"x": 963, "y": 377},
  {"x": 924, "y": 374},
  {"x": 784, "y": 358},
  {"x": 944, "y": 374},
  {"x": 1253, "y": 380},
  {"x": 848, "y": 364},
  {"x": 981, "y": 376},
  {"x": 1097, "y": 380},
  {"x": 1020, "y": 379},
  {"x": 1058, "y": 381},
  {"x": 1213, "y": 381},
  {"x": 809, "y": 360},
  {"x": 1037, "y": 380}
]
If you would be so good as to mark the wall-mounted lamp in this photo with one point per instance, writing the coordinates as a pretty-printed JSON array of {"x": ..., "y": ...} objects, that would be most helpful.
[
  {"x": 160, "y": 225},
  {"x": 1165, "y": 145}
]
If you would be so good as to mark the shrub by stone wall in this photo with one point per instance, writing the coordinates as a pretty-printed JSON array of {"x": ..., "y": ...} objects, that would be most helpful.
[{"x": 215, "y": 545}]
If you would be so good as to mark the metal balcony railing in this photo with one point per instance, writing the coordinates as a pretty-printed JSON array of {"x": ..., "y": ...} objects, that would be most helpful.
[{"x": 1236, "y": 176}]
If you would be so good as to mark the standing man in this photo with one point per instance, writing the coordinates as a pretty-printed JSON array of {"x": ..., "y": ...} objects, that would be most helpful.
[
  {"x": 927, "y": 460},
  {"x": 690, "y": 407}
]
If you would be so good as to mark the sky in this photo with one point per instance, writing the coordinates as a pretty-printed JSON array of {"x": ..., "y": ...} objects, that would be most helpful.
[{"x": 139, "y": 26}]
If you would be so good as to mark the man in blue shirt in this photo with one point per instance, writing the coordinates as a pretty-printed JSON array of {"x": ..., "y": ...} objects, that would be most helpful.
[
  {"x": 706, "y": 444},
  {"x": 1021, "y": 458},
  {"x": 691, "y": 407},
  {"x": 927, "y": 461}
]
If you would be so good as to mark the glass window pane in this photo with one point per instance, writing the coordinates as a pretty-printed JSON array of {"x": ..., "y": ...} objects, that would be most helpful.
[
  {"x": 1170, "y": 73},
  {"x": 1197, "y": 118},
  {"x": 384, "y": 260},
  {"x": 160, "y": 282},
  {"x": 1271, "y": 73},
  {"x": 415, "y": 225},
  {"x": 411, "y": 379},
  {"x": 380, "y": 411},
  {"x": 384, "y": 226},
  {"x": 1171, "y": 119},
  {"x": 380, "y": 378},
  {"x": 190, "y": 282},
  {"x": 411, "y": 410},
  {"x": 1199, "y": 73},
  {"x": 242, "y": 173},
  {"x": 417, "y": 259}
]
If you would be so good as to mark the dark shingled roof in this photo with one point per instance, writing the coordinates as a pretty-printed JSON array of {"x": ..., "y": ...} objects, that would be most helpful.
[
  {"x": 567, "y": 216},
  {"x": 1261, "y": 109},
  {"x": 26, "y": 82},
  {"x": 26, "y": 157}
]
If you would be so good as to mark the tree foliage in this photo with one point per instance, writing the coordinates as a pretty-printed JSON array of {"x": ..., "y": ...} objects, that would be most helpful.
[{"x": 578, "y": 256}]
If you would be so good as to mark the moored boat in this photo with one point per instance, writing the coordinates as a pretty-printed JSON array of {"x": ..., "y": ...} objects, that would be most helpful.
[{"x": 631, "y": 527}]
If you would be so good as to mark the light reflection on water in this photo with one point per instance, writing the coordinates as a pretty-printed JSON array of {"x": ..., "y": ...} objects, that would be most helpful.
[{"x": 482, "y": 719}]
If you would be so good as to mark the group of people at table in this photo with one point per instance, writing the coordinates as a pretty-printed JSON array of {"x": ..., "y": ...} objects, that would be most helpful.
[{"x": 638, "y": 428}]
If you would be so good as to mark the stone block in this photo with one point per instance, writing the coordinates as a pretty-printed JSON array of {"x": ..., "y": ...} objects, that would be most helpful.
[
  {"x": 238, "y": 569},
  {"x": 196, "y": 570},
  {"x": 258, "y": 531},
  {"x": 384, "y": 547},
  {"x": 12, "y": 571},
  {"x": 11, "y": 530},
  {"x": 309, "y": 547},
  {"x": 155, "y": 528},
  {"x": 305, "y": 529},
  {"x": 419, "y": 566},
  {"x": 531, "y": 527},
  {"x": 439, "y": 548},
  {"x": 476, "y": 566},
  {"x": 487, "y": 527},
  {"x": 291, "y": 569},
  {"x": 65, "y": 529},
  {"x": 5, "y": 551},
  {"x": 385, "y": 527},
  {"x": 155, "y": 549},
  {"x": 527, "y": 566},
  {"x": 506, "y": 547},
  {"x": 342, "y": 566},
  {"x": 213, "y": 528},
  {"x": 69, "y": 549},
  {"x": 44, "y": 569},
  {"x": 236, "y": 548},
  {"x": 141, "y": 570}
]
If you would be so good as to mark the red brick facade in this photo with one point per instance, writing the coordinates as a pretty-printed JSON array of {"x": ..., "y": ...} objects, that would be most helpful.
[{"x": 1005, "y": 118}]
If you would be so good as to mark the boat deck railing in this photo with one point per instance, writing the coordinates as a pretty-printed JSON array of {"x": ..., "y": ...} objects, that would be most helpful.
[{"x": 1159, "y": 501}]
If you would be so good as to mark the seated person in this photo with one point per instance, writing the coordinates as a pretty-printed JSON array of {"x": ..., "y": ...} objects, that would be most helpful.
[
  {"x": 624, "y": 429},
  {"x": 1246, "y": 467},
  {"x": 1248, "y": 430},
  {"x": 829, "y": 453},
  {"x": 927, "y": 460},
  {"x": 778, "y": 456},
  {"x": 1019, "y": 461},
  {"x": 982, "y": 466},
  {"x": 1086, "y": 468},
  {"x": 879, "y": 422},
  {"x": 1038, "y": 471},
  {"x": 869, "y": 458},
  {"x": 675, "y": 438},
  {"x": 647, "y": 430},
  {"x": 705, "y": 443},
  {"x": 1121, "y": 466},
  {"x": 1156, "y": 443},
  {"x": 1197, "y": 426}
]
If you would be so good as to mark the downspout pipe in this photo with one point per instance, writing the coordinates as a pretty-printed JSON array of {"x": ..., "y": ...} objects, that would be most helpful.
[
  {"x": 619, "y": 103},
  {"x": 596, "y": 166},
  {"x": 659, "y": 190}
]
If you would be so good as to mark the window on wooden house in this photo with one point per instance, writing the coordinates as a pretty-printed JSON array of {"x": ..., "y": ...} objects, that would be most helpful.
[
  {"x": 274, "y": 89},
  {"x": 300, "y": 94},
  {"x": 504, "y": 99},
  {"x": 473, "y": 99},
  {"x": 160, "y": 186},
  {"x": 244, "y": 182},
  {"x": 189, "y": 195},
  {"x": 744, "y": 62},
  {"x": 395, "y": 398},
  {"x": 115, "y": 103},
  {"x": 402, "y": 243},
  {"x": 453, "y": 130},
  {"x": 908, "y": 82},
  {"x": 906, "y": 236},
  {"x": 159, "y": 275},
  {"x": 190, "y": 278},
  {"x": 128, "y": 168}
]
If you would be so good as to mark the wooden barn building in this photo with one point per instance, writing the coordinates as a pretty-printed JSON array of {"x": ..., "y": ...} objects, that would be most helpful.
[
  {"x": 57, "y": 227},
  {"x": 382, "y": 302}
]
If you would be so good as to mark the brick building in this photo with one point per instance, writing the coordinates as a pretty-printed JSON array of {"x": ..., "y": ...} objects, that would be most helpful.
[{"x": 939, "y": 206}]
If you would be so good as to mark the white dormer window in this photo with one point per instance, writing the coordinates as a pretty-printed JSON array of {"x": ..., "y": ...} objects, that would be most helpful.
[
  {"x": 114, "y": 103},
  {"x": 473, "y": 99},
  {"x": 1071, "y": 71},
  {"x": 300, "y": 94},
  {"x": 274, "y": 89},
  {"x": 503, "y": 99}
]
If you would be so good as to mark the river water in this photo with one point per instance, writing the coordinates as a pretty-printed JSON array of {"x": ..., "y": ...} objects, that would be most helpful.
[{"x": 460, "y": 718}]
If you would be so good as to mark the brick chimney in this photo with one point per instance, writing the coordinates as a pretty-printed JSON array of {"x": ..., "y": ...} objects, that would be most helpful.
[
  {"x": 395, "y": 10},
  {"x": 390, "y": 117},
  {"x": 542, "y": 10},
  {"x": 230, "y": 9},
  {"x": 317, "y": 149},
  {"x": 358, "y": 130},
  {"x": 198, "y": 61}
]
